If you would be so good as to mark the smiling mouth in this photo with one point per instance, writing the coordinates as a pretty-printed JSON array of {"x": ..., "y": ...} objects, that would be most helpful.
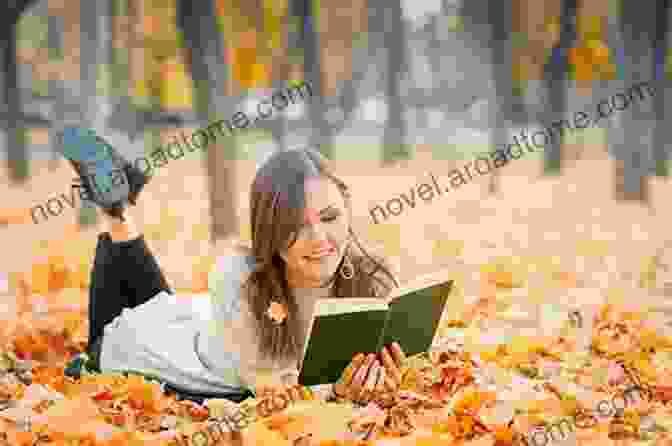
[{"x": 320, "y": 255}]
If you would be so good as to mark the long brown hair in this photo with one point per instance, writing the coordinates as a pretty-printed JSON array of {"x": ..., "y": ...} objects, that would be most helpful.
[{"x": 277, "y": 202}]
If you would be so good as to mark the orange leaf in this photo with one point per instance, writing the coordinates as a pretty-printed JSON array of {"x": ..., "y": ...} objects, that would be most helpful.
[
  {"x": 567, "y": 279},
  {"x": 471, "y": 401},
  {"x": 664, "y": 393},
  {"x": 144, "y": 395},
  {"x": 277, "y": 312},
  {"x": 503, "y": 279},
  {"x": 39, "y": 278},
  {"x": 278, "y": 421},
  {"x": 504, "y": 435},
  {"x": 433, "y": 440},
  {"x": 21, "y": 438},
  {"x": 59, "y": 273}
]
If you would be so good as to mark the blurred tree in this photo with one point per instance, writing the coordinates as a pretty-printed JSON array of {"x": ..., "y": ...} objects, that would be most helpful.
[
  {"x": 336, "y": 90},
  {"x": 632, "y": 146},
  {"x": 207, "y": 61},
  {"x": 55, "y": 29},
  {"x": 556, "y": 71},
  {"x": 322, "y": 135},
  {"x": 13, "y": 128},
  {"x": 662, "y": 131},
  {"x": 390, "y": 23},
  {"x": 492, "y": 24},
  {"x": 276, "y": 31}
]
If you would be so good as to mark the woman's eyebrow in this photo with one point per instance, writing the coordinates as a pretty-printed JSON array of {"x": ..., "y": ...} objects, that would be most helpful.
[{"x": 328, "y": 208}]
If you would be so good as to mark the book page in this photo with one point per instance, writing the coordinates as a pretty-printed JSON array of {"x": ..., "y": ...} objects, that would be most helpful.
[{"x": 325, "y": 307}]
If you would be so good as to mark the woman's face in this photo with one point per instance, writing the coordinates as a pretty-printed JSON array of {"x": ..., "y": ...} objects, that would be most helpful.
[{"x": 313, "y": 259}]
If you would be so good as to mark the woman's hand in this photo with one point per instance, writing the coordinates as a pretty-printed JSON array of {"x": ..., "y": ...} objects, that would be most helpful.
[
  {"x": 393, "y": 358},
  {"x": 369, "y": 375},
  {"x": 276, "y": 398}
]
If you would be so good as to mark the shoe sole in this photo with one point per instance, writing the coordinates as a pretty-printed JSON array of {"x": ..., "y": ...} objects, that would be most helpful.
[{"x": 97, "y": 164}]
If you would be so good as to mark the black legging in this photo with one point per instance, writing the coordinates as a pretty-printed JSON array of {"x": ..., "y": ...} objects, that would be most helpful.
[{"x": 126, "y": 274}]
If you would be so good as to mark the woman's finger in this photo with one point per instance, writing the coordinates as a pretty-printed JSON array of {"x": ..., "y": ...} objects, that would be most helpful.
[
  {"x": 280, "y": 401},
  {"x": 293, "y": 394},
  {"x": 349, "y": 372},
  {"x": 390, "y": 385},
  {"x": 263, "y": 390},
  {"x": 362, "y": 373},
  {"x": 397, "y": 354},
  {"x": 298, "y": 391},
  {"x": 341, "y": 386},
  {"x": 391, "y": 368},
  {"x": 355, "y": 388},
  {"x": 371, "y": 381},
  {"x": 380, "y": 385}
]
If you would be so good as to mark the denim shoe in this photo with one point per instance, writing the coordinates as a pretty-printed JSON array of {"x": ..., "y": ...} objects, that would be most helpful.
[
  {"x": 80, "y": 365},
  {"x": 109, "y": 180}
]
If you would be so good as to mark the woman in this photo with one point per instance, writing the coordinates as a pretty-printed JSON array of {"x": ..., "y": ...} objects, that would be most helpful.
[{"x": 250, "y": 336}]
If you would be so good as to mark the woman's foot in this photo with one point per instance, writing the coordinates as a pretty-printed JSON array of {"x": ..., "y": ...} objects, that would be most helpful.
[{"x": 108, "y": 179}]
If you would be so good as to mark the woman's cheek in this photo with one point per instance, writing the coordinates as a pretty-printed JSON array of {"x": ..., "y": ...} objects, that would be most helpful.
[{"x": 338, "y": 236}]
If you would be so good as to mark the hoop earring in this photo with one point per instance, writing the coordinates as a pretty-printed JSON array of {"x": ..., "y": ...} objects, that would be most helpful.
[{"x": 347, "y": 269}]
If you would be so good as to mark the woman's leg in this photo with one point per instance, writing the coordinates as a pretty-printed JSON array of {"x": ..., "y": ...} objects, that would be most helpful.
[{"x": 125, "y": 274}]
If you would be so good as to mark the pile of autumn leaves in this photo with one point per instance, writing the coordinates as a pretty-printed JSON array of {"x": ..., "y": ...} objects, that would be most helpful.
[{"x": 443, "y": 398}]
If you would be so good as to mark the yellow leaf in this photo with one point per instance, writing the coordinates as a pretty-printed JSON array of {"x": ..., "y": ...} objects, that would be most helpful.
[
  {"x": 39, "y": 278},
  {"x": 176, "y": 86},
  {"x": 447, "y": 248}
]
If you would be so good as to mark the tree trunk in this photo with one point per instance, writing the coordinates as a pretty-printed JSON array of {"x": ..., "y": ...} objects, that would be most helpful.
[
  {"x": 17, "y": 152},
  {"x": 280, "y": 67},
  {"x": 208, "y": 64},
  {"x": 633, "y": 145},
  {"x": 502, "y": 64},
  {"x": 395, "y": 147},
  {"x": 556, "y": 77},
  {"x": 662, "y": 132},
  {"x": 324, "y": 128},
  {"x": 55, "y": 39},
  {"x": 321, "y": 135}
]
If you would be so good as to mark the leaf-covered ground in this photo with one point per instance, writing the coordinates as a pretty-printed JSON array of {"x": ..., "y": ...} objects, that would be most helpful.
[{"x": 477, "y": 388}]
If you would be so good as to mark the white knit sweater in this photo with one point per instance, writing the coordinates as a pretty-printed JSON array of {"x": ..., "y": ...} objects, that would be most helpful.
[{"x": 199, "y": 344}]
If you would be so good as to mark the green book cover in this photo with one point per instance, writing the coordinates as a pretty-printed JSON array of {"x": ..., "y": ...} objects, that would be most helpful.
[{"x": 342, "y": 328}]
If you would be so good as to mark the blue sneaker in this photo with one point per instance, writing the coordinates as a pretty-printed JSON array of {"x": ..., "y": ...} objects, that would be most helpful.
[{"x": 109, "y": 180}]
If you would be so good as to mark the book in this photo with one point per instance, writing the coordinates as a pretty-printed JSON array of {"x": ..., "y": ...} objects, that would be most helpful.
[{"x": 341, "y": 328}]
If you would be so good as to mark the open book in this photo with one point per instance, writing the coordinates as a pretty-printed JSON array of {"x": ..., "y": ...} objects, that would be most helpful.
[{"x": 341, "y": 328}]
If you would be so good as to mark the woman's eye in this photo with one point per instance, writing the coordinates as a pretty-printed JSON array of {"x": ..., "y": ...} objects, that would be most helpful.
[{"x": 329, "y": 219}]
